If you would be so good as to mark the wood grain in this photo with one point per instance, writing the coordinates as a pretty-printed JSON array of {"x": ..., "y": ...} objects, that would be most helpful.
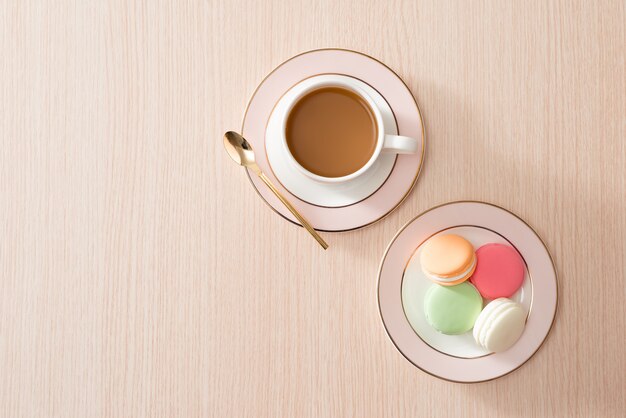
[{"x": 141, "y": 275}]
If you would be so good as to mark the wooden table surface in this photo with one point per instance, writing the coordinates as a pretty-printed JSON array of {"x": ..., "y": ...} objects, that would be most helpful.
[{"x": 141, "y": 275}]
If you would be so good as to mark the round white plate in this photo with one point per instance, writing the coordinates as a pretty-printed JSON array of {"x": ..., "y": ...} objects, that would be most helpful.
[
  {"x": 390, "y": 288},
  {"x": 326, "y": 194},
  {"x": 407, "y": 117},
  {"x": 415, "y": 284}
]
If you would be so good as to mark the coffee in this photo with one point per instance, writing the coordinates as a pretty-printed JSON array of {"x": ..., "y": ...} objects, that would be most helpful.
[{"x": 331, "y": 132}]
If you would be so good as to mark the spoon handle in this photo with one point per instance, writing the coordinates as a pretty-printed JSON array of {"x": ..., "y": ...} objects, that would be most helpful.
[{"x": 293, "y": 210}]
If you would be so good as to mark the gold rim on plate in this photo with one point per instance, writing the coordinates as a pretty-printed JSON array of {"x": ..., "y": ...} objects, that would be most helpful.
[
  {"x": 406, "y": 225},
  {"x": 419, "y": 112}
]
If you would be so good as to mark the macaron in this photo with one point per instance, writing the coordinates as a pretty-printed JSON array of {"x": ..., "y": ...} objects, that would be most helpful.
[
  {"x": 499, "y": 325},
  {"x": 499, "y": 271},
  {"x": 452, "y": 309},
  {"x": 448, "y": 259}
]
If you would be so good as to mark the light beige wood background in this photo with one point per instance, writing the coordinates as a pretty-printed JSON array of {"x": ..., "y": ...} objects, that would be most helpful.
[{"x": 141, "y": 275}]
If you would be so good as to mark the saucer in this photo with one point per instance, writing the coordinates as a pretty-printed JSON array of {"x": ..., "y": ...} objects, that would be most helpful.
[
  {"x": 315, "y": 192},
  {"x": 454, "y": 358},
  {"x": 379, "y": 77},
  {"x": 415, "y": 284}
]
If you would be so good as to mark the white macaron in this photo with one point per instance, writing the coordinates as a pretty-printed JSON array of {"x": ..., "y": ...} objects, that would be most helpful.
[{"x": 499, "y": 325}]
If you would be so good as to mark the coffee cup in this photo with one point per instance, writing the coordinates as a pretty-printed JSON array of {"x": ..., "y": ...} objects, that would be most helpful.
[{"x": 333, "y": 131}]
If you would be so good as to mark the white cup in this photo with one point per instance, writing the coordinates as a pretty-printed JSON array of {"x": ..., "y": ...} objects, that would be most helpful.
[{"x": 385, "y": 142}]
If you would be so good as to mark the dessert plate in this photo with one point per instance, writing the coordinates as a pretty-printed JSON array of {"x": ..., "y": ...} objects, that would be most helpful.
[
  {"x": 379, "y": 77},
  {"x": 415, "y": 284},
  {"x": 451, "y": 357},
  {"x": 315, "y": 192}
]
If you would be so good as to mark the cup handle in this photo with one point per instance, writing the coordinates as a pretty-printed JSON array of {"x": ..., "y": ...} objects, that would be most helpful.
[{"x": 398, "y": 144}]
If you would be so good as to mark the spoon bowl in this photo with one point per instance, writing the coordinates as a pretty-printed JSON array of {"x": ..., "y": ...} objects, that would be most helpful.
[{"x": 239, "y": 149}]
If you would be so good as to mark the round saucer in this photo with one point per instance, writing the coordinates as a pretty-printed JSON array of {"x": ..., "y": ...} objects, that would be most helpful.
[
  {"x": 372, "y": 72},
  {"x": 438, "y": 357},
  {"x": 315, "y": 192}
]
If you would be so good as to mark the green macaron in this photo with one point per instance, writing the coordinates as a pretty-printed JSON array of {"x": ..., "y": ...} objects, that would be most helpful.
[{"x": 452, "y": 309}]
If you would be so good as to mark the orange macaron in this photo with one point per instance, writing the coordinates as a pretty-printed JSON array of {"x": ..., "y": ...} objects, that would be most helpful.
[{"x": 448, "y": 259}]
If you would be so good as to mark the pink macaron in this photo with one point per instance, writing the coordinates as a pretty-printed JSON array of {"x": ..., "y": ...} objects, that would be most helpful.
[{"x": 499, "y": 271}]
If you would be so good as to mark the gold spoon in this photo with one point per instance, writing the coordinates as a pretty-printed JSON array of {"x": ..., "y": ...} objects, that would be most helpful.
[{"x": 242, "y": 153}]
